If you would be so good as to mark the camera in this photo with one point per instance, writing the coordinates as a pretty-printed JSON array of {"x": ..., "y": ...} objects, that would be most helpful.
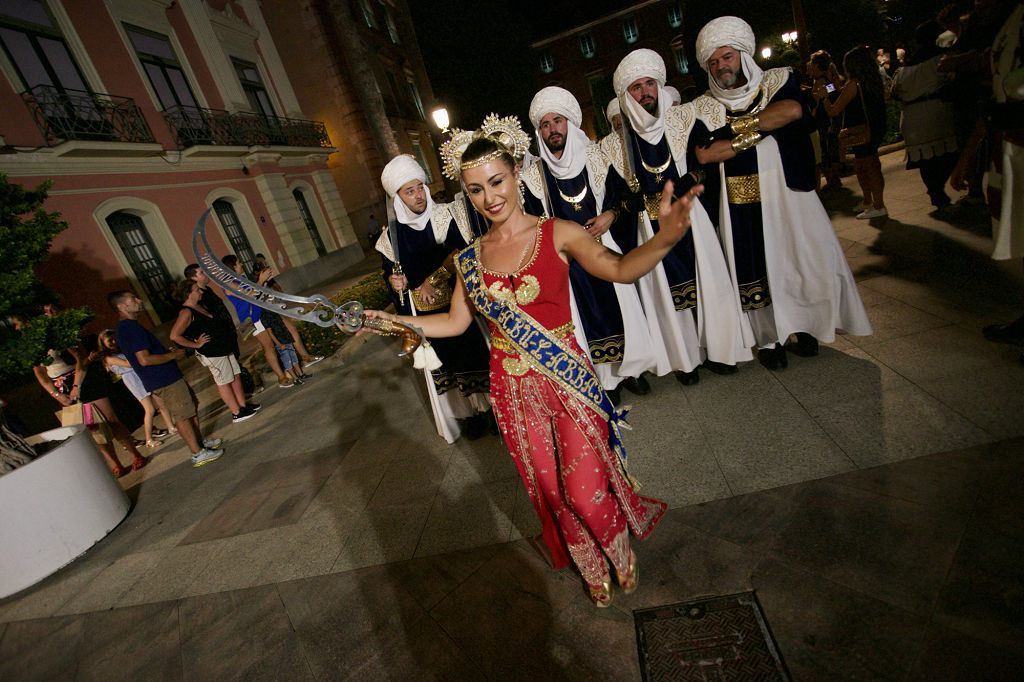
[{"x": 830, "y": 88}]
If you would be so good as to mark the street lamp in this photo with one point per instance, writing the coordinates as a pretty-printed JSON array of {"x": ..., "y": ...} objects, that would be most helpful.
[
  {"x": 789, "y": 37},
  {"x": 766, "y": 53},
  {"x": 440, "y": 116}
]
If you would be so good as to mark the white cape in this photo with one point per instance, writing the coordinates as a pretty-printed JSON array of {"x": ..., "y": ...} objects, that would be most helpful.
[{"x": 810, "y": 282}]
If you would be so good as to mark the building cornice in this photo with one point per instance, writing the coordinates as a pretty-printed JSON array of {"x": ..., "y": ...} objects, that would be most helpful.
[{"x": 74, "y": 158}]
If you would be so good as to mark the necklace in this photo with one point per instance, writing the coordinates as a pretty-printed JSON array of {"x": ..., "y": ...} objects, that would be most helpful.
[
  {"x": 576, "y": 201},
  {"x": 656, "y": 171},
  {"x": 523, "y": 260}
]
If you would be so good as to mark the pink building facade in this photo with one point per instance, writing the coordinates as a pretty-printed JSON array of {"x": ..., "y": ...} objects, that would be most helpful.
[{"x": 143, "y": 114}]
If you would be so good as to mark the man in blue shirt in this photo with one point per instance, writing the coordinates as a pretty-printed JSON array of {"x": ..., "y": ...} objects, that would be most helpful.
[{"x": 158, "y": 369}]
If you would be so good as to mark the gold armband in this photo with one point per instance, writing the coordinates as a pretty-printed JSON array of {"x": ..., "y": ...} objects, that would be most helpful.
[
  {"x": 745, "y": 141},
  {"x": 745, "y": 124}
]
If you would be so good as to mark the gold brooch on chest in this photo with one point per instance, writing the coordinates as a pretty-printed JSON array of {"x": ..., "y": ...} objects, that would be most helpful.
[{"x": 524, "y": 294}]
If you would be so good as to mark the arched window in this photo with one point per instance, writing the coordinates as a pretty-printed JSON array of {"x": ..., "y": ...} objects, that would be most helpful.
[
  {"x": 145, "y": 261},
  {"x": 307, "y": 218},
  {"x": 236, "y": 236}
]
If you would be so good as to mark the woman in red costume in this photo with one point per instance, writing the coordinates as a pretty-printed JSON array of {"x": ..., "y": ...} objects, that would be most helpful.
[{"x": 557, "y": 422}]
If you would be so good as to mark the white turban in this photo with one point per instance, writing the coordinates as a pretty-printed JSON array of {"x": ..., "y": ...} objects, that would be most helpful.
[
  {"x": 735, "y": 33},
  {"x": 613, "y": 110},
  {"x": 401, "y": 170},
  {"x": 555, "y": 100},
  {"x": 724, "y": 32},
  {"x": 676, "y": 97},
  {"x": 642, "y": 63}
]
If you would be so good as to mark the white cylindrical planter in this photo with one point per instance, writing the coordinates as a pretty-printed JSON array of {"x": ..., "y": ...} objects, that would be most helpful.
[{"x": 55, "y": 508}]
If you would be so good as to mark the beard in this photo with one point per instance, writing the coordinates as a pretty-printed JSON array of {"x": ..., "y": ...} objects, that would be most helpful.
[
  {"x": 728, "y": 79},
  {"x": 650, "y": 105},
  {"x": 556, "y": 142}
]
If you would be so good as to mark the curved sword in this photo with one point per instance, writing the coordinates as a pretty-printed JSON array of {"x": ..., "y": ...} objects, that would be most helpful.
[{"x": 316, "y": 309}]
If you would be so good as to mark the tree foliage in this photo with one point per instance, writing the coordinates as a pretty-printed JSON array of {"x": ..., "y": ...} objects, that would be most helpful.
[{"x": 26, "y": 232}]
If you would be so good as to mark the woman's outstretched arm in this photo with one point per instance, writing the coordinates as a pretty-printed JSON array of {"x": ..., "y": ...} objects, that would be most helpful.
[
  {"x": 438, "y": 325},
  {"x": 673, "y": 223}
]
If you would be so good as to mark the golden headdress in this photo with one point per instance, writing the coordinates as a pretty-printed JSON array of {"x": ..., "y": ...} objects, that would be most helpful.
[{"x": 505, "y": 132}]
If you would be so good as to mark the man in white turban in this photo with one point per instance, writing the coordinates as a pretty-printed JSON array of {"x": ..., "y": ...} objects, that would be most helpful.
[
  {"x": 754, "y": 131},
  {"x": 414, "y": 248},
  {"x": 674, "y": 95},
  {"x": 690, "y": 299},
  {"x": 572, "y": 181}
]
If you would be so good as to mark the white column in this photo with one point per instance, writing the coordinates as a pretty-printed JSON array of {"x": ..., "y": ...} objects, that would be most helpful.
[
  {"x": 284, "y": 214},
  {"x": 334, "y": 207}
]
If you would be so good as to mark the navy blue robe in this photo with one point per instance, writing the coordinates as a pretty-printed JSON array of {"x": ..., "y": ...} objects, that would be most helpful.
[
  {"x": 680, "y": 263},
  {"x": 797, "y": 154},
  {"x": 465, "y": 358},
  {"x": 596, "y": 301}
]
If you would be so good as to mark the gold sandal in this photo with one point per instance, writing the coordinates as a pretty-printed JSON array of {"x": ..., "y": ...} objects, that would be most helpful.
[
  {"x": 601, "y": 595},
  {"x": 631, "y": 579}
]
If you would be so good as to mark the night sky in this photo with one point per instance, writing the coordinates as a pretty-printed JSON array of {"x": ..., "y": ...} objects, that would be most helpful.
[{"x": 478, "y": 58}]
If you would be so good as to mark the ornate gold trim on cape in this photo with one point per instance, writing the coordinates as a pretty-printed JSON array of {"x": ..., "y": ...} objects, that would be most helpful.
[{"x": 383, "y": 245}]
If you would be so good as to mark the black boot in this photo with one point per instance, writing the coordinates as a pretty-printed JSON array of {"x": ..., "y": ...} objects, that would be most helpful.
[
  {"x": 636, "y": 385},
  {"x": 805, "y": 346},
  {"x": 773, "y": 358},
  {"x": 688, "y": 378},
  {"x": 615, "y": 395},
  {"x": 473, "y": 427},
  {"x": 1012, "y": 332},
  {"x": 719, "y": 367}
]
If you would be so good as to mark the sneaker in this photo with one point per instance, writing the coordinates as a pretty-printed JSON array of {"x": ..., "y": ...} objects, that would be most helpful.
[
  {"x": 255, "y": 407},
  {"x": 205, "y": 456},
  {"x": 285, "y": 384},
  {"x": 305, "y": 376},
  {"x": 213, "y": 443},
  {"x": 873, "y": 213},
  {"x": 313, "y": 359},
  {"x": 298, "y": 380},
  {"x": 245, "y": 413}
]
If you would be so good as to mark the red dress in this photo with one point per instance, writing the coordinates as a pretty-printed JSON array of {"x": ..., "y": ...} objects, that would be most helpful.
[{"x": 559, "y": 444}]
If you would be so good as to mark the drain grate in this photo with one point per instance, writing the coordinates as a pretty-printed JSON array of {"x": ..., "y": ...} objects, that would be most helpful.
[{"x": 713, "y": 638}]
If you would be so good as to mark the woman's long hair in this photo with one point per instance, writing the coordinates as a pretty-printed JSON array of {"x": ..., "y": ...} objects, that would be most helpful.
[{"x": 860, "y": 63}]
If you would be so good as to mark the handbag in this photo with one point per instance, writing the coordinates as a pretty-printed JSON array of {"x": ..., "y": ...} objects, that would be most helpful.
[
  {"x": 852, "y": 136},
  {"x": 79, "y": 413}
]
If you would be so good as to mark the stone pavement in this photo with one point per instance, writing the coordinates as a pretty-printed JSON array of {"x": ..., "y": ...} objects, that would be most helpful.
[{"x": 871, "y": 496}]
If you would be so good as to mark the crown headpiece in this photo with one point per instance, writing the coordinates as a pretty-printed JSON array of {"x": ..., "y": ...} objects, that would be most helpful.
[{"x": 506, "y": 132}]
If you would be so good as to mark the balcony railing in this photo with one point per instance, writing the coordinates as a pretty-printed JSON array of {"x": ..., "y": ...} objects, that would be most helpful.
[
  {"x": 64, "y": 115},
  {"x": 195, "y": 125}
]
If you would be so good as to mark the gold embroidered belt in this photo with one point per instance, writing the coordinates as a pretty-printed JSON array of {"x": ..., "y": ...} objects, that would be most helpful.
[
  {"x": 517, "y": 365},
  {"x": 743, "y": 189},
  {"x": 651, "y": 203}
]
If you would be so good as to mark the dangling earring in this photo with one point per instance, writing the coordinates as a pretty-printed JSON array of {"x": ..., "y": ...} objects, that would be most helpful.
[{"x": 522, "y": 199}]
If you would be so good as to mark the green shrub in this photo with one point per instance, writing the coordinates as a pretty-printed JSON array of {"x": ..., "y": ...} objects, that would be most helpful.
[{"x": 26, "y": 232}]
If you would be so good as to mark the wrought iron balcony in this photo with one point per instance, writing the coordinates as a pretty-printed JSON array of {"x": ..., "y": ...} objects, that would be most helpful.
[
  {"x": 64, "y": 115},
  {"x": 196, "y": 125}
]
